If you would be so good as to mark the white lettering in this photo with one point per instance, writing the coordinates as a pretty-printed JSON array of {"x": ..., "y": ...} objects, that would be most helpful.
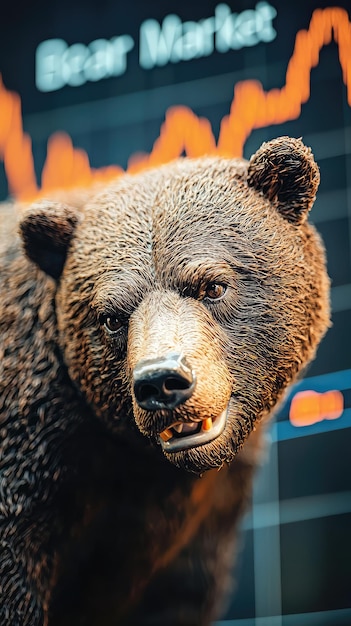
[
  {"x": 72, "y": 67},
  {"x": 100, "y": 61},
  {"x": 265, "y": 14},
  {"x": 224, "y": 27},
  {"x": 234, "y": 31},
  {"x": 58, "y": 64},
  {"x": 157, "y": 43},
  {"x": 245, "y": 32},
  {"x": 48, "y": 75},
  {"x": 208, "y": 28},
  {"x": 192, "y": 41},
  {"x": 121, "y": 46},
  {"x": 190, "y": 44}
]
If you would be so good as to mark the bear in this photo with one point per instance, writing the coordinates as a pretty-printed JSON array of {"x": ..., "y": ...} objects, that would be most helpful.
[{"x": 150, "y": 328}]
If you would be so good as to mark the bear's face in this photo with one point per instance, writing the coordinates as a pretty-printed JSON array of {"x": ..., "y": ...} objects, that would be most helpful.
[{"x": 189, "y": 297}]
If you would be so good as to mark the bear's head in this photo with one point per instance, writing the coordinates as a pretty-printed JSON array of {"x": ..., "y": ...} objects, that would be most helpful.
[{"x": 189, "y": 296}]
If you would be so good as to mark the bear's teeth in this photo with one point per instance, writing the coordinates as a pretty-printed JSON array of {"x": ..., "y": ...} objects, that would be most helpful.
[
  {"x": 166, "y": 434},
  {"x": 182, "y": 427},
  {"x": 189, "y": 427},
  {"x": 194, "y": 434},
  {"x": 207, "y": 424},
  {"x": 178, "y": 427}
]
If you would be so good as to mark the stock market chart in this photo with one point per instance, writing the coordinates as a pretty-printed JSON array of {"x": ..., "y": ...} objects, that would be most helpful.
[{"x": 90, "y": 91}]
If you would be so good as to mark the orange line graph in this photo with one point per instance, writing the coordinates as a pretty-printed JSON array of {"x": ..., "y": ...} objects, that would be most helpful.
[
  {"x": 182, "y": 131},
  {"x": 310, "y": 407}
]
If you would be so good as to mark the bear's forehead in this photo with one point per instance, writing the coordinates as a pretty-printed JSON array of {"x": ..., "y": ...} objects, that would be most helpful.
[
  {"x": 184, "y": 201},
  {"x": 167, "y": 215},
  {"x": 182, "y": 216}
]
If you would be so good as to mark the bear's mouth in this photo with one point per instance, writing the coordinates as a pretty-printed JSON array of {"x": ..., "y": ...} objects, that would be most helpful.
[{"x": 184, "y": 435}]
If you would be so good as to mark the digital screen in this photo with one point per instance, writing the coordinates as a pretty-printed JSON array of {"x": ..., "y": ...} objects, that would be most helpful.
[{"x": 91, "y": 90}]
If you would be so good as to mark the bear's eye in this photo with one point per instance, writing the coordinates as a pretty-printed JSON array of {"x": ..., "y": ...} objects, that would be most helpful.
[
  {"x": 112, "y": 323},
  {"x": 215, "y": 291}
]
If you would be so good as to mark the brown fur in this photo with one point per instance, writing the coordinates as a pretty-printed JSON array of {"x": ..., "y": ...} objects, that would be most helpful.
[{"x": 100, "y": 527}]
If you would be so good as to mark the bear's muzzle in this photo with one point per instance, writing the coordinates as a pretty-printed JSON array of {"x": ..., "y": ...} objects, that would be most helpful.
[{"x": 165, "y": 383}]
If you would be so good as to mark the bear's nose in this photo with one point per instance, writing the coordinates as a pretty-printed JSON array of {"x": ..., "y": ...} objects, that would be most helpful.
[{"x": 163, "y": 382}]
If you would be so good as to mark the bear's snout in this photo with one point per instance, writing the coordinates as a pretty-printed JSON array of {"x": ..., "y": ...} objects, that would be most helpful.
[{"x": 163, "y": 382}]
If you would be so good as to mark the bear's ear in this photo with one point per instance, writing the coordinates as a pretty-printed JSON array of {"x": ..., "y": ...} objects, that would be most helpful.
[
  {"x": 285, "y": 171},
  {"x": 46, "y": 228}
]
